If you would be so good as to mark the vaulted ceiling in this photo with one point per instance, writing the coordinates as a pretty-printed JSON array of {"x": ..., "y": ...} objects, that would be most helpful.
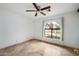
[{"x": 56, "y": 8}]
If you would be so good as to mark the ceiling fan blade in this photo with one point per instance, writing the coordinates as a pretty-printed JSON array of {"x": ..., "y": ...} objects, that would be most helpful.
[
  {"x": 45, "y": 8},
  {"x": 42, "y": 13},
  {"x": 30, "y": 10},
  {"x": 36, "y": 6},
  {"x": 36, "y": 14}
]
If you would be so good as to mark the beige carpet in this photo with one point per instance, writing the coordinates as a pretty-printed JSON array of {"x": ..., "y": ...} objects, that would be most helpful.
[{"x": 35, "y": 48}]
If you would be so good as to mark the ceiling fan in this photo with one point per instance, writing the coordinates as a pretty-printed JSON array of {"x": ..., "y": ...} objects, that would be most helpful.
[{"x": 39, "y": 9}]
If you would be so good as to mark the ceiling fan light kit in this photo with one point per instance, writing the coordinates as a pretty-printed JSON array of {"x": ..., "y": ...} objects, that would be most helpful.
[{"x": 39, "y": 9}]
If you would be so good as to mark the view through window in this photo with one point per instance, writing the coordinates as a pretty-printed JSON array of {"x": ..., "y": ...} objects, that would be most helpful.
[{"x": 53, "y": 29}]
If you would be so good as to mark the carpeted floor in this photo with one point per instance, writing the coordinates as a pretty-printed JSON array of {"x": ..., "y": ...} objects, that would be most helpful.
[{"x": 35, "y": 48}]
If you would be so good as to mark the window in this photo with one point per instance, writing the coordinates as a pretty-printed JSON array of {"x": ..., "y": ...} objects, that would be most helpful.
[{"x": 53, "y": 29}]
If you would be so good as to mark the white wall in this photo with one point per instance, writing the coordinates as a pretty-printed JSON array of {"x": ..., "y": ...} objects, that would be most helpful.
[
  {"x": 71, "y": 29},
  {"x": 14, "y": 27}
]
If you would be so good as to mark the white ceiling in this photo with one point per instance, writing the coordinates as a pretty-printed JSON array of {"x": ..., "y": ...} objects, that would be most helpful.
[{"x": 56, "y": 8}]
